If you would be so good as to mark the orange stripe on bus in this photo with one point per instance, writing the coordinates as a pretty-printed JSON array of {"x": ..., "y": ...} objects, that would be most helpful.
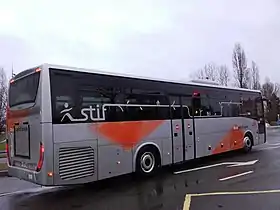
[
  {"x": 15, "y": 117},
  {"x": 128, "y": 134},
  {"x": 231, "y": 141}
]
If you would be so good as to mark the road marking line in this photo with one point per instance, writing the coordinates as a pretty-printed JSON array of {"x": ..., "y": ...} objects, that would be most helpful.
[
  {"x": 237, "y": 175},
  {"x": 235, "y": 193},
  {"x": 244, "y": 164},
  {"x": 187, "y": 202},
  {"x": 31, "y": 190},
  {"x": 199, "y": 168},
  {"x": 217, "y": 164}
]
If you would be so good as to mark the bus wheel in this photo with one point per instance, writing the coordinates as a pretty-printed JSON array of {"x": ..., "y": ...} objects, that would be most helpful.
[
  {"x": 248, "y": 143},
  {"x": 148, "y": 161}
]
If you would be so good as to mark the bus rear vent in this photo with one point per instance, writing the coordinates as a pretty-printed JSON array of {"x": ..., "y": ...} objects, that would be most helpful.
[{"x": 76, "y": 162}]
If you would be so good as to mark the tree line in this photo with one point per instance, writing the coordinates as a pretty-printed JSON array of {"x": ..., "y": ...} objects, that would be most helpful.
[
  {"x": 241, "y": 75},
  {"x": 3, "y": 98},
  {"x": 244, "y": 75}
]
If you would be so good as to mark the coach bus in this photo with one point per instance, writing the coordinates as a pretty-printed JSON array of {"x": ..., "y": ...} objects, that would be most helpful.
[{"x": 69, "y": 125}]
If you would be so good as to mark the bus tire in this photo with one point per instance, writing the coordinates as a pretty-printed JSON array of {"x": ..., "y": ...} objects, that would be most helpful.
[
  {"x": 148, "y": 161},
  {"x": 248, "y": 143}
]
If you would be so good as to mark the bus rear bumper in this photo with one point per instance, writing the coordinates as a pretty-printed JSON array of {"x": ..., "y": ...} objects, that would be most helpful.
[{"x": 27, "y": 175}]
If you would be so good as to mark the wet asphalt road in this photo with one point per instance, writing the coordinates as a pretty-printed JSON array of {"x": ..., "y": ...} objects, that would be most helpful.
[{"x": 167, "y": 191}]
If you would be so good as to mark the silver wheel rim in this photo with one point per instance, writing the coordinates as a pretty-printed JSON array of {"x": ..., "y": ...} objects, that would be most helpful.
[
  {"x": 247, "y": 142},
  {"x": 147, "y": 162}
]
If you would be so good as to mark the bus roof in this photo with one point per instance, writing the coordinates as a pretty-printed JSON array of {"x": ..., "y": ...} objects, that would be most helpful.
[{"x": 199, "y": 84}]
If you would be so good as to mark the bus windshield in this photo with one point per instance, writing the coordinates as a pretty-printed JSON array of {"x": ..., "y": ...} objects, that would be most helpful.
[{"x": 24, "y": 90}]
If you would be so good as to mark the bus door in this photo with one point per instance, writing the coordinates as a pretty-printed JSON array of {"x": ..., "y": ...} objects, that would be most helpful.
[
  {"x": 188, "y": 123},
  {"x": 182, "y": 129}
]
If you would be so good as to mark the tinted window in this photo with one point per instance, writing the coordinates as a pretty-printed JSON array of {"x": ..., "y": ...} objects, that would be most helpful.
[
  {"x": 252, "y": 105},
  {"x": 24, "y": 90},
  {"x": 98, "y": 98},
  {"x": 209, "y": 105},
  {"x": 63, "y": 97},
  {"x": 187, "y": 107},
  {"x": 175, "y": 106},
  {"x": 84, "y": 95},
  {"x": 145, "y": 105}
]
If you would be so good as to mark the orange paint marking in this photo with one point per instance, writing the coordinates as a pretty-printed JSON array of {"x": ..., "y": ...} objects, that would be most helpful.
[
  {"x": 15, "y": 117},
  {"x": 127, "y": 134},
  {"x": 228, "y": 141}
]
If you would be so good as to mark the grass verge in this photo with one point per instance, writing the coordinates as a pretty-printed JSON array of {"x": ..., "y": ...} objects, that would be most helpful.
[
  {"x": 2, "y": 147},
  {"x": 3, "y": 166}
]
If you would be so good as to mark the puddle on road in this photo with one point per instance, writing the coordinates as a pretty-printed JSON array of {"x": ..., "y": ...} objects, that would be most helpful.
[
  {"x": 159, "y": 193},
  {"x": 162, "y": 192}
]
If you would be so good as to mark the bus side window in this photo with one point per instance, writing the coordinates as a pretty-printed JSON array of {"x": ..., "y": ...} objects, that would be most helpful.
[
  {"x": 210, "y": 105},
  {"x": 226, "y": 110},
  {"x": 104, "y": 96},
  {"x": 63, "y": 97},
  {"x": 235, "y": 110},
  {"x": 196, "y": 106},
  {"x": 145, "y": 105},
  {"x": 187, "y": 107},
  {"x": 176, "y": 111},
  {"x": 206, "y": 109}
]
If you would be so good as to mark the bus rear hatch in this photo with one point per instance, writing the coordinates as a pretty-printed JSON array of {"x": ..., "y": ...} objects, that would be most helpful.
[{"x": 24, "y": 146}]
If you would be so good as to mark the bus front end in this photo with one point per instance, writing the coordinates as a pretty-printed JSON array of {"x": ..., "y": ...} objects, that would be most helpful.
[
  {"x": 262, "y": 113},
  {"x": 26, "y": 132}
]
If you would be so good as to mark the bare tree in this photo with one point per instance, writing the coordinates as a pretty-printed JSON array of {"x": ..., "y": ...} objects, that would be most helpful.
[
  {"x": 241, "y": 71},
  {"x": 209, "y": 71},
  {"x": 256, "y": 85},
  {"x": 223, "y": 75},
  {"x": 3, "y": 98},
  {"x": 269, "y": 88},
  {"x": 199, "y": 74}
]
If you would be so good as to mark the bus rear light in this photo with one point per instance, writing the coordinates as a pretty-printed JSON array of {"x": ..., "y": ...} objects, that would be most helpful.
[
  {"x": 41, "y": 158},
  {"x": 196, "y": 94},
  {"x": 8, "y": 154},
  {"x": 38, "y": 69},
  {"x": 50, "y": 174},
  {"x": 11, "y": 81}
]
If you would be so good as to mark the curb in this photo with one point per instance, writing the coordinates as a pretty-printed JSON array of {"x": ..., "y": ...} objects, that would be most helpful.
[{"x": 3, "y": 173}]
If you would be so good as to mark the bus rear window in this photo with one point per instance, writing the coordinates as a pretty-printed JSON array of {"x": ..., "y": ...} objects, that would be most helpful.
[{"x": 24, "y": 90}]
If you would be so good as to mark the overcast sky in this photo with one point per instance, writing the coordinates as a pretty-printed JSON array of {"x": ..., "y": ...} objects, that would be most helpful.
[{"x": 159, "y": 38}]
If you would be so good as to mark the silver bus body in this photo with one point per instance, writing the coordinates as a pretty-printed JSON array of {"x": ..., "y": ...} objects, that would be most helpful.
[{"x": 53, "y": 141}]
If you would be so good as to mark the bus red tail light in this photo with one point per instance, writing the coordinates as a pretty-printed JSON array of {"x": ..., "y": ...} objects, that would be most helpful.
[
  {"x": 8, "y": 153},
  {"x": 196, "y": 94},
  {"x": 41, "y": 158},
  {"x": 37, "y": 69}
]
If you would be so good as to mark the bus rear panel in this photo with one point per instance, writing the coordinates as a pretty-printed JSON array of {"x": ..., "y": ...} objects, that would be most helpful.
[{"x": 26, "y": 132}]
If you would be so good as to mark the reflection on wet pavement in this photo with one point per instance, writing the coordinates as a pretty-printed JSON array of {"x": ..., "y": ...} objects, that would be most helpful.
[
  {"x": 160, "y": 192},
  {"x": 165, "y": 191}
]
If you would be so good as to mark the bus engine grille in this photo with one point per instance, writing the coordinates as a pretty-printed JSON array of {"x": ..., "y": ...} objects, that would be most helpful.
[{"x": 76, "y": 162}]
